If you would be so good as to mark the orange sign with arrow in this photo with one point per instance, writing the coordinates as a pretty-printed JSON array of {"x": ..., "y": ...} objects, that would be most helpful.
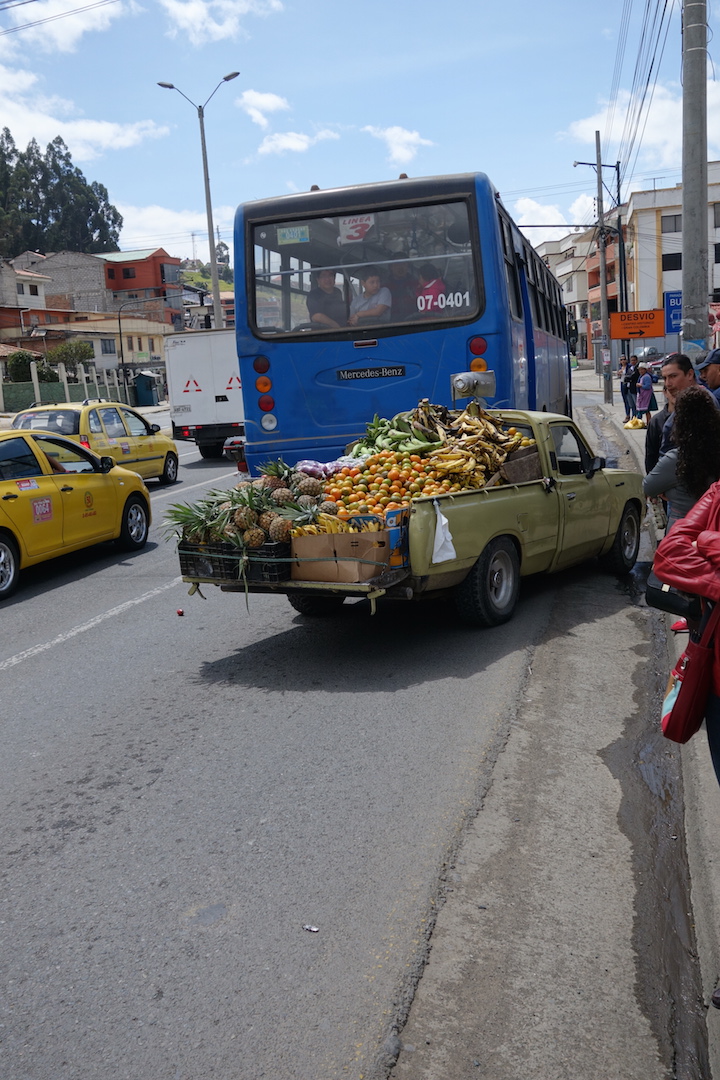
[{"x": 635, "y": 325}]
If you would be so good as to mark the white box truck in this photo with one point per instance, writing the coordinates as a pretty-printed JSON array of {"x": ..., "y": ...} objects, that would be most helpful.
[{"x": 204, "y": 391}]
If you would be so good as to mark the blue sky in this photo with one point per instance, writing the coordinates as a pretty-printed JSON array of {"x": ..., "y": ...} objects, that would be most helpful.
[{"x": 334, "y": 94}]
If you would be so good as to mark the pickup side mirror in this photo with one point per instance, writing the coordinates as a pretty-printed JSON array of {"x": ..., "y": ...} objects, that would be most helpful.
[
  {"x": 597, "y": 464},
  {"x": 106, "y": 464}
]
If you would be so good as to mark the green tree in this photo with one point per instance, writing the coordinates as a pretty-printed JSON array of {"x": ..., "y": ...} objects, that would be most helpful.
[
  {"x": 18, "y": 368},
  {"x": 46, "y": 204},
  {"x": 71, "y": 353}
]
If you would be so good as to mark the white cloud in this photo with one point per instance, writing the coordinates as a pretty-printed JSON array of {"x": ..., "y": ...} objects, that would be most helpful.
[
  {"x": 582, "y": 211},
  {"x": 294, "y": 141},
  {"x": 204, "y": 21},
  {"x": 529, "y": 212},
  {"x": 402, "y": 144},
  {"x": 660, "y": 139},
  {"x": 257, "y": 104},
  {"x": 57, "y": 31},
  {"x": 183, "y": 233},
  {"x": 30, "y": 115}
]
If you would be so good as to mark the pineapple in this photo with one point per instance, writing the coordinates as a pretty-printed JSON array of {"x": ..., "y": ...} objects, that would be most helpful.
[
  {"x": 275, "y": 474},
  {"x": 280, "y": 530},
  {"x": 282, "y": 495},
  {"x": 309, "y": 486},
  {"x": 242, "y": 485},
  {"x": 254, "y": 537},
  {"x": 266, "y": 519},
  {"x": 309, "y": 502},
  {"x": 328, "y": 507},
  {"x": 245, "y": 517}
]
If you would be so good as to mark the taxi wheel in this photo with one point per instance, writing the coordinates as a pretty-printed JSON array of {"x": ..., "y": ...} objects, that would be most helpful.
[
  {"x": 170, "y": 472},
  {"x": 9, "y": 566},
  {"x": 135, "y": 524}
]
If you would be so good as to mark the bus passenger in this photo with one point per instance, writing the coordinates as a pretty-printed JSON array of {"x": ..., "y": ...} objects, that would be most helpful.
[
  {"x": 402, "y": 286},
  {"x": 430, "y": 289},
  {"x": 325, "y": 303},
  {"x": 375, "y": 302}
]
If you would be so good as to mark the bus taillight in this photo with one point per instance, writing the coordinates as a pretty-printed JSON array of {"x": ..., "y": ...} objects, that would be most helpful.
[
  {"x": 266, "y": 403},
  {"x": 477, "y": 346},
  {"x": 478, "y": 363},
  {"x": 263, "y": 384},
  {"x": 261, "y": 364}
]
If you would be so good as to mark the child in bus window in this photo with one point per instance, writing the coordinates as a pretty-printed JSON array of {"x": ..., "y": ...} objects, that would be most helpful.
[
  {"x": 374, "y": 303},
  {"x": 430, "y": 290}
]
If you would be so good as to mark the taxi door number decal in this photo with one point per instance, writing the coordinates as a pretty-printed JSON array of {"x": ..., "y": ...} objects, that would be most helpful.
[
  {"x": 125, "y": 447},
  {"x": 42, "y": 510}
]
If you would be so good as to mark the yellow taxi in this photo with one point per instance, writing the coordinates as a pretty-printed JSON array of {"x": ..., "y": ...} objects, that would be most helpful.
[
  {"x": 109, "y": 428},
  {"x": 57, "y": 497}
]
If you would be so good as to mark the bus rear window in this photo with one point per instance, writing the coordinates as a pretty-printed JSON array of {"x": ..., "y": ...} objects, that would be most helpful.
[{"x": 396, "y": 267}]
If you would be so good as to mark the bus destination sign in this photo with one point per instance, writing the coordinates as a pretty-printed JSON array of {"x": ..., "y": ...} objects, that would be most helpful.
[{"x": 349, "y": 374}]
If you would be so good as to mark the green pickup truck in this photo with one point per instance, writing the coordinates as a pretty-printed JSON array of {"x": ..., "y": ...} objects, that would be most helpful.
[{"x": 555, "y": 507}]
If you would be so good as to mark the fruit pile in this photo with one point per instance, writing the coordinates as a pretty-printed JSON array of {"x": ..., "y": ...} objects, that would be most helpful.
[
  {"x": 254, "y": 511},
  {"x": 445, "y": 453},
  {"x": 460, "y": 452}
]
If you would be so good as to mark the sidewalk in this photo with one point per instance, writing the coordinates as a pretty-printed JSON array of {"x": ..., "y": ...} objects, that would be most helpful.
[{"x": 702, "y": 794}]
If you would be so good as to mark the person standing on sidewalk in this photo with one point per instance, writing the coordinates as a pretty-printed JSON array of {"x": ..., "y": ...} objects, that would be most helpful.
[
  {"x": 630, "y": 379},
  {"x": 709, "y": 371},
  {"x": 622, "y": 366},
  {"x": 692, "y": 464},
  {"x": 645, "y": 398}
]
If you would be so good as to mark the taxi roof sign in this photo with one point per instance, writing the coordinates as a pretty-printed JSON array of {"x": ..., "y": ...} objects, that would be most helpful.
[{"x": 637, "y": 324}]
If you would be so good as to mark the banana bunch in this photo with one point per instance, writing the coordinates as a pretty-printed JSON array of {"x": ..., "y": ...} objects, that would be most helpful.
[
  {"x": 461, "y": 463},
  {"x": 400, "y": 434}
]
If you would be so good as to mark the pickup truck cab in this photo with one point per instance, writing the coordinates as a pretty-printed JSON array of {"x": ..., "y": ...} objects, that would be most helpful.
[{"x": 558, "y": 507}]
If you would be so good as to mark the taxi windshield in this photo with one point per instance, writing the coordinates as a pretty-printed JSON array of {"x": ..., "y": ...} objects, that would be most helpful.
[{"x": 60, "y": 421}]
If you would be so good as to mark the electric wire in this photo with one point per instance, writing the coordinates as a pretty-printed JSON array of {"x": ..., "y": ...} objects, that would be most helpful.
[{"x": 54, "y": 18}]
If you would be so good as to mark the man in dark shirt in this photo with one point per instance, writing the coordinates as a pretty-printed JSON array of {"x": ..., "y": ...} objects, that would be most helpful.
[
  {"x": 709, "y": 371},
  {"x": 325, "y": 304}
]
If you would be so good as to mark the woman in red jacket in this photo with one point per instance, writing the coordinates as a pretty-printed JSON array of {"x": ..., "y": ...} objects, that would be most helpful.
[{"x": 689, "y": 559}]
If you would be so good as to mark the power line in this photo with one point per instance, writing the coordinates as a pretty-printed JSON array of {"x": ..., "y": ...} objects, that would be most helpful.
[{"x": 54, "y": 18}]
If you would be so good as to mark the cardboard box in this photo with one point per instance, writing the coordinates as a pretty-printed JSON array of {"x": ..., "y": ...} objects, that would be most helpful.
[
  {"x": 313, "y": 558},
  {"x": 361, "y": 556},
  {"x": 524, "y": 467}
]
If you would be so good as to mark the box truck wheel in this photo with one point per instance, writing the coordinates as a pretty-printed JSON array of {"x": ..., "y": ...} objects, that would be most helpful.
[{"x": 211, "y": 450}]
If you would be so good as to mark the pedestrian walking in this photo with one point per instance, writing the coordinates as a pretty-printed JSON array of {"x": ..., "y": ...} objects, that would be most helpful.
[
  {"x": 622, "y": 365},
  {"x": 645, "y": 401}
]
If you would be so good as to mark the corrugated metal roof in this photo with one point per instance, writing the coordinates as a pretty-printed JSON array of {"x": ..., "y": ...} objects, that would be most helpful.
[{"x": 129, "y": 256}]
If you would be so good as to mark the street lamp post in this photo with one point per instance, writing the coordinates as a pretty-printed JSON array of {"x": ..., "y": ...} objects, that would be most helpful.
[{"x": 217, "y": 306}]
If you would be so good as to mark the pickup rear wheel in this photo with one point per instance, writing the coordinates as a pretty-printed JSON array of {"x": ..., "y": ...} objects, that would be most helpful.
[
  {"x": 622, "y": 556},
  {"x": 488, "y": 595},
  {"x": 316, "y": 605},
  {"x": 9, "y": 566}
]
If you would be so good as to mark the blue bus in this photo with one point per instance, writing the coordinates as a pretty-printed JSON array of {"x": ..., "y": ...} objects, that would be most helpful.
[{"x": 362, "y": 300}]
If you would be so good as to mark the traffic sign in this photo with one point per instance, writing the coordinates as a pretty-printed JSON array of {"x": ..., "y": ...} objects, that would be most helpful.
[
  {"x": 673, "y": 311},
  {"x": 635, "y": 325}
]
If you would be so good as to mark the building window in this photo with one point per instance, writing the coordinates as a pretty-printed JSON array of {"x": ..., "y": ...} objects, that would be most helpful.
[
  {"x": 33, "y": 290},
  {"x": 111, "y": 272},
  {"x": 568, "y": 284},
  {"x": 671, "y": 223},
  {"x": 130, "y": 344},
  {"x": 717, "y": 253},
  {"x": 716, "y": 212},
  {"x": 20, "y": 288},
  {"x": 128, "y": 272},
  {"x": 139, "y": 344},
  {"x": 107, "y": 346},
  {"x": 672, "y": 261},
  {"x": 151, "y": 344},
  {"x": 52, "y": 319}
]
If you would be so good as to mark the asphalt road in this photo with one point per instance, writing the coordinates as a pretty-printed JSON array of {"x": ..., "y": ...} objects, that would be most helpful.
[{"x": 183, "y": 795}]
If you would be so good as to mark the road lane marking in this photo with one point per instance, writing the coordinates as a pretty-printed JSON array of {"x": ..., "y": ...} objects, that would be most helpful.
[
  {"x": 111, "y": 613},
  {"x": 203, "y": 483}
]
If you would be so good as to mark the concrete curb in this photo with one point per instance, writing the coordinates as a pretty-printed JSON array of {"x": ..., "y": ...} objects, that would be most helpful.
[{"x": 701, "y": 790}]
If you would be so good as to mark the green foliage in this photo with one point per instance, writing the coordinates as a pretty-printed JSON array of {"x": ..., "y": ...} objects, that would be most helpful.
[
  {"x": 46, "y": 204},
  {"x": 18, "y": 368},
  {"x": 71, "y": 353}
]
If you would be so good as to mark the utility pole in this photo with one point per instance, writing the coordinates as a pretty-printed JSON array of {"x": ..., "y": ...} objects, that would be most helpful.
[
  {"x": 604, "y": 317},
  {"x": 694, "y": 176}
]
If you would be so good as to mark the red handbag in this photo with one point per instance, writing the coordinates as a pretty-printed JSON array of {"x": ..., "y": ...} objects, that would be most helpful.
[{"x": 688, "y": 689}]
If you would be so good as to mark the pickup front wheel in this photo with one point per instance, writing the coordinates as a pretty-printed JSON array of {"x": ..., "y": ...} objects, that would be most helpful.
[
  {"x": 621, "y": 557},
  {"x": 488, "y": 595}
]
